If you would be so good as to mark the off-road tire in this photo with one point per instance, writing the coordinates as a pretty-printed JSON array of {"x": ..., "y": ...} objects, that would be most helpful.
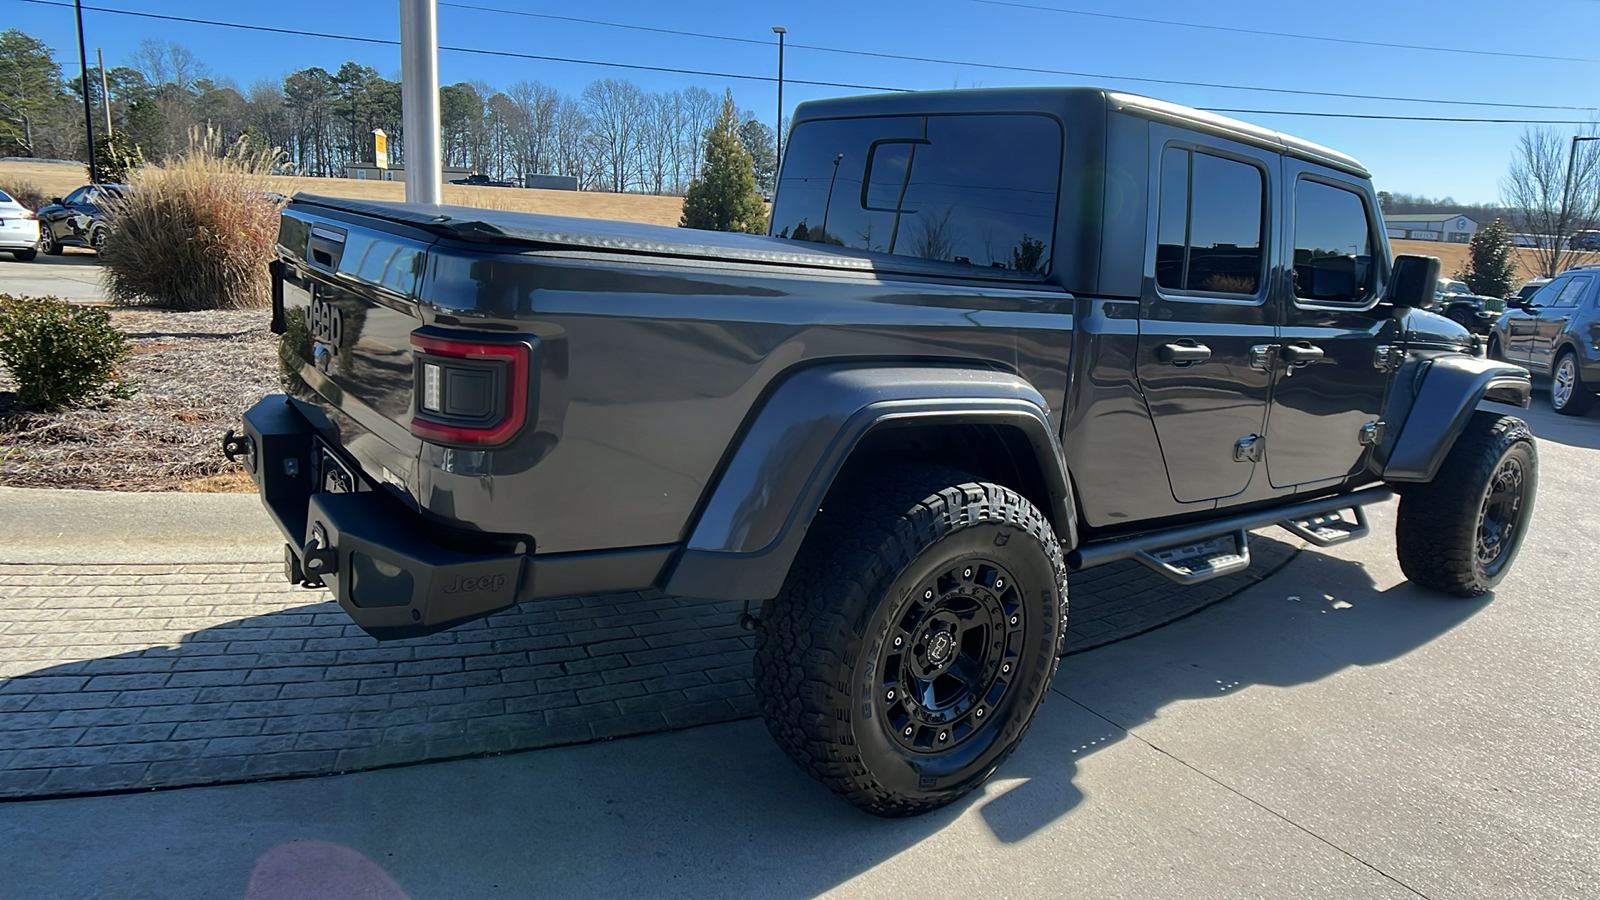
[
  {"x": 1441, "y": 523},
  {"x": 1463, "y": 318},
  {"x": 1581, "y": 399},
  {"x": 821, "y": 644},
  {"x": 49, "y": 243},
  {"x": 25, "y": 255}
]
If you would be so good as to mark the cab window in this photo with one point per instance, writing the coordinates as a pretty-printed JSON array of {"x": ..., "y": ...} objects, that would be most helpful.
[
  {"x": 1332, "y": 245},
  {"x": 1209, "y": 230}
]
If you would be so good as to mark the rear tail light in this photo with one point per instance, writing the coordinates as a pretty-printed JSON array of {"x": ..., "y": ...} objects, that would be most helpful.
[
  {"x": 28, "y": 214},
  {"x": 469, "y": 393}
]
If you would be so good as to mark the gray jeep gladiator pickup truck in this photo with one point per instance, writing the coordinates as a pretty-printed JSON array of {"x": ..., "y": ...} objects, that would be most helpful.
[{"x": 994, "y": 337}]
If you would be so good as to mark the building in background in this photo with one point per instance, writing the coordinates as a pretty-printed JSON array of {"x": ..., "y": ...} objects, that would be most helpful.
[{"x": 1431, "y": 227}]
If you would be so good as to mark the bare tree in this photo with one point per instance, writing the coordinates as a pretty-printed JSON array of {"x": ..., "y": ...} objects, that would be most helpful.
[
  {"x": 699, "y": 112},
  {"x": 1553, "y": 193},
  {"x": 614, "y": 109}
]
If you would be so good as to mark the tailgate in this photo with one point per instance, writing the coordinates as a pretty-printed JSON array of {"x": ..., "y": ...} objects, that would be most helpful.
[{"x": 345, "y": 302}]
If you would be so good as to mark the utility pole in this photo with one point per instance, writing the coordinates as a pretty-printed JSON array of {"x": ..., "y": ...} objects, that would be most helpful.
[
  {"x": 780, "y": 31},
  {"x": 419, "y": 100},
  {"x": 105, "y": 89},
  {"x": 88, "y": 108}
]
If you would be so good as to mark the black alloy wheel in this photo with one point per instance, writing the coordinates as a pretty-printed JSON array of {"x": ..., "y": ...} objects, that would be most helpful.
[
  {"x": 1500, "y": 521},
  {"x": 956, "y": 639}
]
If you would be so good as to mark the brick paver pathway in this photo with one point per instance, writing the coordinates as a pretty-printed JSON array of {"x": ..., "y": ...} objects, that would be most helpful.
[{"x": 131, "y": 677}]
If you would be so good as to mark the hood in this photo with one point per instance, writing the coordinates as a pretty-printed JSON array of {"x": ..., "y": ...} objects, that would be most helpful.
[{"x": 1424, "y": 330}]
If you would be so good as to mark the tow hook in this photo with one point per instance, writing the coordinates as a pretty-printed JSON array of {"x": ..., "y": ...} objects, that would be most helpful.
[
  {"x": 240, "y": 446},
  {"x": 317, "y": 559}
]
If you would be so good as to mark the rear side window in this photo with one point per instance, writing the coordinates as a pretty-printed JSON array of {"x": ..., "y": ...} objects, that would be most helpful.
[
  {"x": 1333, "y": 246},
  {"x": 977, "y": 190},
  {"x": 1208, "y": 235},
  {"x": 1572, "y": 293},
  {"x": 5, "y": 197}
]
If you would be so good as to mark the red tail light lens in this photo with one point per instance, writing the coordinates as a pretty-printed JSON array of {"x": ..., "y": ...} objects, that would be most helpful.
[{"x": 468, "y": 393}]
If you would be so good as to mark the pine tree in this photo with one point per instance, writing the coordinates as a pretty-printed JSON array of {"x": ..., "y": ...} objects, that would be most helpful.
[
  {"x": 1491, "y": 269},
  {"x": 724, "y": 197}
]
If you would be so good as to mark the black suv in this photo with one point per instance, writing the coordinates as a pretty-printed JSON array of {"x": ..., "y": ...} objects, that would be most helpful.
[
  {"x": 1475, "y": 312},
  {"x": 1556, "y": 331},
  {"x": 79, "y": 219}
]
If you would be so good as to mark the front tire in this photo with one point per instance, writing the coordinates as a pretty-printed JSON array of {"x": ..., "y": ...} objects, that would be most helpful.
[
  {"x": 1464, "y": 319},
  {"x": 1460, "y": 533},
  {"x": 915, "y": 638},
  {"x": 1569, "y": 396},
  {"x": 1495, "y": 351}
]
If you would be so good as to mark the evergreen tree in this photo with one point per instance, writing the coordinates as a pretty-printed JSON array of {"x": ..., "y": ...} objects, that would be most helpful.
[
  {"x": 724, "y": 197},
  {"x": 1491, "y": 269}
]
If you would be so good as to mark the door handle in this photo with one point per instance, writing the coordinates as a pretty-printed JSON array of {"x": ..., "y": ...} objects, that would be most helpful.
[
  {"x": 1301, "y": 354},
  {"x": 1185, "y": 354}
]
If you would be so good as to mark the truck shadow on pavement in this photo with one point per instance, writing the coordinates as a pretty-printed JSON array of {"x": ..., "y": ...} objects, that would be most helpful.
[{"x": 723, "y": 803}]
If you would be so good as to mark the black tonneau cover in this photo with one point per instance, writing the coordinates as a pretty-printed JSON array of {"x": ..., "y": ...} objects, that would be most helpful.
[{"x": 536, "y": 231}]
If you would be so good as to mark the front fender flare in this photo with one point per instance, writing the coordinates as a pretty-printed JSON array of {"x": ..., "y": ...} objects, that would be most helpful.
[
  {"x": 757, "y": 514},
  {"x": 1433, "y": 404}
]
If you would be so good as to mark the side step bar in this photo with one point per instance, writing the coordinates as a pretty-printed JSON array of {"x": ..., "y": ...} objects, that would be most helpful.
[{"x": 1191, "y": 554}]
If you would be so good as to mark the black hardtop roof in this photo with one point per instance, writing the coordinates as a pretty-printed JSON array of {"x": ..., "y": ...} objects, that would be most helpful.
[{"x": 1072, "y": 104}]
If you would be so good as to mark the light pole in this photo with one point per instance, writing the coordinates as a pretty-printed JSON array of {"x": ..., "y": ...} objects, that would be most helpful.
[
  {"x": 88, "y": 108},
  {"x": 829, "y": 204},
  {"x": 419, "y": 100},
  {"x": 780, "y": 31}
]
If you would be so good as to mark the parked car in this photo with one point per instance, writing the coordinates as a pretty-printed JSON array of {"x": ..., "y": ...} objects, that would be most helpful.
[
  {"x": 1047, "y": 329},
  {"x": 1530, "y": 288},
  {"x": 481, "y": 180},
  {"x": 79, "y": 219},
  {"x": 1556, "y": 332},
  {"x": 1474, "y": 312},
  {"x": 19, "y": 229}
]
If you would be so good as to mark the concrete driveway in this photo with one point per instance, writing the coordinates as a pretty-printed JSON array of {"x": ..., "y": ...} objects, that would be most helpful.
[
  {"x": 74, "y": 276},
  {"x": 1330, "y": 732}
]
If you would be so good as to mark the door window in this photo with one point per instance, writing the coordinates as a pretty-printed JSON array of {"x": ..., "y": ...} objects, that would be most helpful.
[
  {"x": 81, "y": 195},
  {"x": 1332, "y": 246},
  {"x": 1209, "y": 230},
  {"x": 1572, "y": 292},
  {"x": 1547, "y": 295}
]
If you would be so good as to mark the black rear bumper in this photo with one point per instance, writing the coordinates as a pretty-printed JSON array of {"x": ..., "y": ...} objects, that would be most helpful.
[{"x": 373, "y": 552}]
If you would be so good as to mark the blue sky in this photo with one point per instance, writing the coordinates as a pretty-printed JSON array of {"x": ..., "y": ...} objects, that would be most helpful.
[{"x": 1462, "y": 160}]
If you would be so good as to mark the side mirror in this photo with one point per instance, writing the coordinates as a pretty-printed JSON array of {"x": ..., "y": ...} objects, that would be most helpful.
[
  {"x": 1414, "y": 280},
  {"x": 57, "y": 201}
]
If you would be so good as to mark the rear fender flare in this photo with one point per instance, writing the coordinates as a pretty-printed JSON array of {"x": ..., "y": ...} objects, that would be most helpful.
[
  {"x": 756, "y": 516},
  {"x": 1432, "y": 406}
]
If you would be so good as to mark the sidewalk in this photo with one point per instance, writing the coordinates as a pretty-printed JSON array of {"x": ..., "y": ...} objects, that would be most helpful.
[{"x": 149, "y": 640}]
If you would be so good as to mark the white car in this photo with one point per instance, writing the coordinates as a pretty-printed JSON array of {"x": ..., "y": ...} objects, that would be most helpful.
[{"x": 19, "y": 229}]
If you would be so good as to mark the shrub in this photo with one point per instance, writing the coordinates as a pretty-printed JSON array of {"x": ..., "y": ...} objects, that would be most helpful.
[
  {"x": 724, "y": 197},
  {"x": 59, "y": 355},
  {"x": 25, "y": 192},
  {"x": 197, "y": 234}
]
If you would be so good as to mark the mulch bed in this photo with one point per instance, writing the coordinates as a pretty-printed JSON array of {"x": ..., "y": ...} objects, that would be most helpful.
[{"x": 196, "y": 373}]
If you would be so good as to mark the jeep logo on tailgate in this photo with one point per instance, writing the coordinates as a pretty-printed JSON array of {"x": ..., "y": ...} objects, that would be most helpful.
[
  {"x": 465, "y": 584},
  {"x": 327, "y": 320}
]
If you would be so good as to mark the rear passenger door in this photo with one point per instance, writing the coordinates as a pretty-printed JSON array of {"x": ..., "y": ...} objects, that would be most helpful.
[
  {"x": 1331, "y": 377},
  {"x": 1205, "y": 313},
  {"x": 1553, "y": 319}
]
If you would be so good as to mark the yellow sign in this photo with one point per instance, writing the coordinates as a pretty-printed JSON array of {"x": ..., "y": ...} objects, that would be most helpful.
[{"x": 380, "y": 148}]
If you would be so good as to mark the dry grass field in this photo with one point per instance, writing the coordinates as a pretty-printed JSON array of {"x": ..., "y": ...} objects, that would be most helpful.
[{"x": 56, "y": 180}]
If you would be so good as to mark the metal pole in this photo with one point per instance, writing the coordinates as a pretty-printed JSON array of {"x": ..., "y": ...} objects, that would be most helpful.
[
  {"x": 780, "y": 31},
  {"x": 88, "y": 108},
  {"x": 105, "y": 88},
  {"x": 419, "y": 100}
]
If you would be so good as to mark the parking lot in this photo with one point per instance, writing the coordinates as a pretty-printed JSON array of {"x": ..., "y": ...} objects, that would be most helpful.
[{"x": 1330, "y": 731}]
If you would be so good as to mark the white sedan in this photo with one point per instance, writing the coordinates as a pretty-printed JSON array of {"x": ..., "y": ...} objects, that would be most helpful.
[{"x": 19, "y": 229}]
